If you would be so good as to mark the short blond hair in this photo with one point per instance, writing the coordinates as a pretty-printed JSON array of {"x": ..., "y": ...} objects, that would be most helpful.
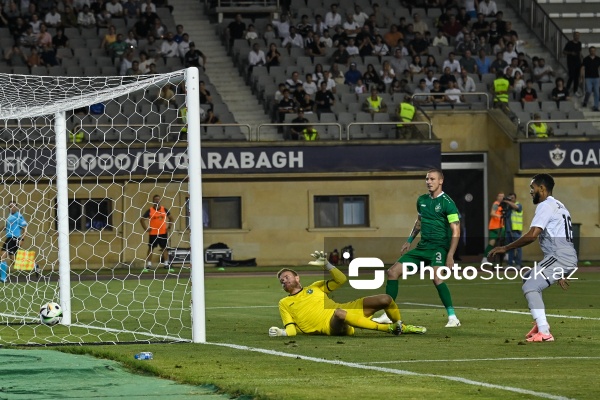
[{"x": 281, "y": 271}]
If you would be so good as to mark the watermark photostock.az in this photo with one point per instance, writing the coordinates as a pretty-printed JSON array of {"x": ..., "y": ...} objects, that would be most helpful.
[{"x": 486, "y": 272}]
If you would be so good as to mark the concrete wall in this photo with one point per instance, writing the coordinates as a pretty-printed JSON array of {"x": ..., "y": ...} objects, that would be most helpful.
[
  {"x": 581, "y": 195},
  {"x": 477, "y": 132},
  {"x": 278, "y": 217}
]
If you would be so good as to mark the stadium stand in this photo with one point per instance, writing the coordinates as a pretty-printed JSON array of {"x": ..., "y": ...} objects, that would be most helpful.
[
  {"x": 83, "y": 56},
  {"x": 264, "y": 83}
]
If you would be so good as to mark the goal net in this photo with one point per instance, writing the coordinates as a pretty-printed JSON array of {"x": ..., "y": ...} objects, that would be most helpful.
[{"x": 82, "y": 160}]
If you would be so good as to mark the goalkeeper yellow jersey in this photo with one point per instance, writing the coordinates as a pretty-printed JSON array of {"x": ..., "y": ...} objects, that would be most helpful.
[{"x": 311, "y": 309}]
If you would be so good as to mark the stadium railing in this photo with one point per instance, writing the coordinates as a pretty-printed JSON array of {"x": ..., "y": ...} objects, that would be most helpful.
[
  {"x": 393, "y": 124},
  {"x": 222, "y": 7},
  {"x": 579, "y": 132},
  {"x": 287, "y": 125},
  {"x": 469, "y": 104},
  {"x": 540, "y": 23}
]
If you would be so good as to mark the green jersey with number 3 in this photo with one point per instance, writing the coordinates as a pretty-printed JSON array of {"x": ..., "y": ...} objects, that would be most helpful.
[{"x": 436, "y": 216}]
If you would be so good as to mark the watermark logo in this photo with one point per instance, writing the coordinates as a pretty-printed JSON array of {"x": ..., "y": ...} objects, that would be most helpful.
[
  {"x": 485, "y": 271},
  {"x": 366, "y": 262}
]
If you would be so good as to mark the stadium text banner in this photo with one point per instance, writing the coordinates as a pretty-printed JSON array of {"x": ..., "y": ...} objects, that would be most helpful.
[
  {"x": 225, "y": 160},
  {"x": 560, "y": 155}
]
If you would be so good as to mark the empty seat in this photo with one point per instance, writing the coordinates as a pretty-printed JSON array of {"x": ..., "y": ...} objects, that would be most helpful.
[
  {"x": 91, "y": 71},
  {"x": 515, "y": 106},
  {"x": 566, "y": 106},
  {"x": 348, "y": 98},
  {"x": 354, "y": 108},
  {"x": 64, "y": 53},
  {"x": 39, "y": 70},
  {"x": 57, "y": 70},
  {"x": 531, "y": 106}
]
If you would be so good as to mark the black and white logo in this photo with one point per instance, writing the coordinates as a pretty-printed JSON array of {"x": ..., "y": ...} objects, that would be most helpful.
[{"x": 557, "y": 156}]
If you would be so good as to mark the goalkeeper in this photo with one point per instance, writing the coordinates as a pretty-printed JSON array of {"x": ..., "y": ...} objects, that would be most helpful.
[{"x": 310, "y": 310}]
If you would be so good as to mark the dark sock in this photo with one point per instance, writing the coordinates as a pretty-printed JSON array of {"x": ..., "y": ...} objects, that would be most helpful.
[
  {"x": 446, "y": 298},
  {"x": 391, "y": 288}
]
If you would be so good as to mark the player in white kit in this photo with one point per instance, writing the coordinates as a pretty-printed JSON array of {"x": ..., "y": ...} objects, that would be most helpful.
[{"x": 552, "y": 225}]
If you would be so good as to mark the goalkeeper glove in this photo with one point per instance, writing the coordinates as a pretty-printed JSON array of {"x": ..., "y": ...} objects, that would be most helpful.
[
  {"x": 320, "y": 259},
  {"x": 275, "y": 331}
]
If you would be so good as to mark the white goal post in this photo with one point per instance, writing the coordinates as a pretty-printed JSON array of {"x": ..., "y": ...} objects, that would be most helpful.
[{"x": 81, "y": 159}]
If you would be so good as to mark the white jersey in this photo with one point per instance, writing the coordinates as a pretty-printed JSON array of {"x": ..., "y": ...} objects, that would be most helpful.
[{"x": 556, "y": 238}]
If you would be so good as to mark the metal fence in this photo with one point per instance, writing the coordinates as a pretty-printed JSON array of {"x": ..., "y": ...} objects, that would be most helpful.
[{"x": 542, "y": 26}]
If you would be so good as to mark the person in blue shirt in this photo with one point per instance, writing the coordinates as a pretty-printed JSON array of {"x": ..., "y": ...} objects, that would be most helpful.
[
  {"x": 16, "y": 230},
  {"x": 352, "y": 75}
]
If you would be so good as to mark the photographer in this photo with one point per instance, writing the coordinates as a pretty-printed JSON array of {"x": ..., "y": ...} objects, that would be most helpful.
[
  {"x": 513, "y": 223},
  {"x": 495, "y": 225}
]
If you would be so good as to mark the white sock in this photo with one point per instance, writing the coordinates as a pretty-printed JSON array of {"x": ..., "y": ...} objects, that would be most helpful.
[{"x": 538, "y": 311}]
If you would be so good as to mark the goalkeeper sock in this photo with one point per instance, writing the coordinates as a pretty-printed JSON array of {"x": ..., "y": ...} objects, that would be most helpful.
[
  {"x": 393, "y": 312},
  {"x": 358, "y": 321},
  {"x": 391, "y": 288},
  {"x": 3, "y": 271},
  {"x": 446, "y": 298}
]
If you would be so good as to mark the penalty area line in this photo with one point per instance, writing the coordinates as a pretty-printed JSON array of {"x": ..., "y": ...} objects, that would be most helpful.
[
  {"x": 391, "y": 370},
  {"x": 500, "y": 311},
  {"x": 483, "y": 359}
]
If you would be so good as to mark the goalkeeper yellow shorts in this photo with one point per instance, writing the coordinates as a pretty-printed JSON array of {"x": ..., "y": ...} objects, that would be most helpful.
[{"x": 355, "y": 307}]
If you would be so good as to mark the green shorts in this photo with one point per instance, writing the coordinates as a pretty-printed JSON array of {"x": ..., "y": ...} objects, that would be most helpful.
[
  {"x": 432, "y": 258},
  {"x": 494, "y": 234}
]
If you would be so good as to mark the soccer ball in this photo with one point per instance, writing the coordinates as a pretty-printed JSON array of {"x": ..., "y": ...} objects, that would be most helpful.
[{"x": 51, "y": 313}]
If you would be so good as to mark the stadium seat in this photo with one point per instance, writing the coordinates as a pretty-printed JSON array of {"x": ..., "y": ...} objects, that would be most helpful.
[
  {"x": 57, "y": 70},
  {"x": 531, "y": 106},
  {"x": 576, "y": 114},
  {"x": 566, "y": 106},
  {"x": 91, "y": 71},
  {"x": 39, "y": 70},
  {"x": 354, "y": 108},
  {"x": 364, "y": 117},
  {"x": 548, "y": 106},
  {"x": 546, "y": 89},
  {"x": 348, "y": 98},
  {"x": 515, "y": 106},
  {"x": 488, "y": 79}
]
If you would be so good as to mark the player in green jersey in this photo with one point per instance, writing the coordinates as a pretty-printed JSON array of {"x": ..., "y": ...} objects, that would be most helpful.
[{"x": 439, "y": 225}]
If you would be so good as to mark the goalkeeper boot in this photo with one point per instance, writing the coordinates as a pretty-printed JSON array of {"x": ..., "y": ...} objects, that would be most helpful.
[
  {"x": 541, "y": 337},
  {"x": 383, "y": 319},
  {"x": 395, "y": 328},
  {"x": 533, "y": 331},
  {"x": 414, "y": 329}
]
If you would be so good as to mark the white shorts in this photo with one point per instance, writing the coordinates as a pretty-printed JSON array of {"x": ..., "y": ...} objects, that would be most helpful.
[{"x": 547, "y": 272}]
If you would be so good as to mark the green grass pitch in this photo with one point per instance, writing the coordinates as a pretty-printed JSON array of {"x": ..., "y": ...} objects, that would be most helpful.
[{"x": 486, "y": 357}]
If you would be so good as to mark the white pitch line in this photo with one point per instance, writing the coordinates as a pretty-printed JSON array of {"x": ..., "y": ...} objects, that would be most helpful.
[
  {"x": 482, "y": 359},
  {"x": 392, "y": 371},
  {"x": 501, "y": 311},
  {"x": 101, "y": 328}
]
